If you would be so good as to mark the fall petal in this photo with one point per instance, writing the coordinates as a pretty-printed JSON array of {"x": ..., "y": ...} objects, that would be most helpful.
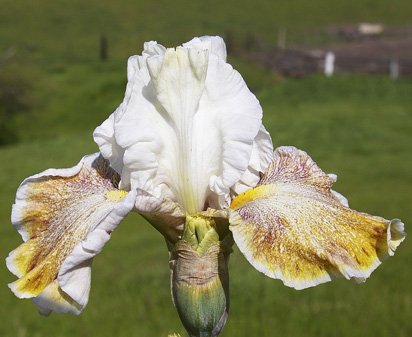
[
  {"x": 65, "y": 216},
  {"x": 294, "y": 228}
]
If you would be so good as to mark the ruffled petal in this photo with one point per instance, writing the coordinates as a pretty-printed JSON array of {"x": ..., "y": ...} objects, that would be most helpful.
[
  {"x": 262, "y": 155},
  {"x": 238, "y": 115},
  {"x": 104, "y": 138},
  {"x": 214, "y": 44},
  {"x": 65, "y": 217},
  {"x": 104, "y": 135},
  {"x": 293, "y": 227},
  {"x": 188, "y": 125}
]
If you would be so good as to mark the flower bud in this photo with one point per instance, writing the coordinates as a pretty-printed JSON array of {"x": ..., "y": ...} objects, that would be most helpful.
[{"x": 200, "y": 279}]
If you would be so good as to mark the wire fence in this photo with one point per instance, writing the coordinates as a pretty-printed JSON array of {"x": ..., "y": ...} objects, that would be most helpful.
[
  {"x": 363, "y": 48},
  {"x": 300, "y": 63}
]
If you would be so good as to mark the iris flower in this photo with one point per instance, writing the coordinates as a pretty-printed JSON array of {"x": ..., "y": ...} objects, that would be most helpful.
[{"x": 187, "y": 150}]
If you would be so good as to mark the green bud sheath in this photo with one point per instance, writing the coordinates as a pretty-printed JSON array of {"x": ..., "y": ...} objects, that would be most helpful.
[{"x": 200, "y": 279}]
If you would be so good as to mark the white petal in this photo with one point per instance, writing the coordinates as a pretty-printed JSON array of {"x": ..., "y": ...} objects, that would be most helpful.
[
  {"x": 137, "y": 62},
  {"x": 189, "y": 121},
  {"x": 214, "y": 44},
  {"x": 238, "y": 113},
  {"x": 340, "y": 198},
  {"x": 54, "y": 299},
  {"x": 337, "y": 195},
  {"x": 104, "y": 137},
  {"x": 152, "y": 48},
  {"x": 75, "y": 274},
  {"x": 165, "y": 215},
  {"x": 262, "y": 155},
  {"x": 65, "y": 217}
]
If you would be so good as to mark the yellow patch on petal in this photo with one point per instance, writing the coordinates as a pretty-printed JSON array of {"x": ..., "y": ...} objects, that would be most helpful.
[
  {"x": 259, "y": 192},
  {"x": 39, "y": 260},
  {"x": 53, "y": 298},
  {"x": 56, "y": 213},
  {"x": 291, "y": 226},
  {"x": 116, "y": 195}
]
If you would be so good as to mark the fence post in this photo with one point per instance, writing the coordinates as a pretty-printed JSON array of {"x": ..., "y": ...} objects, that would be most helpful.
[
  {"x": 103, "y": 48},
  {"x": 329, "y": 65},
  {"x": 281, "y": 38},
  {"x": 393, "y": 68}
]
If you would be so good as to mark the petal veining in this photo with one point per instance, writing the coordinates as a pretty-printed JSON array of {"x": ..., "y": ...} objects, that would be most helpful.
[
  {"x": 294, "y": 228},
  {"x": 65, "y": 217}
]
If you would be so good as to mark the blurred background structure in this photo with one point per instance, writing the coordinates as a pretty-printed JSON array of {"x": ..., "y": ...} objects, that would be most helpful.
[{"x": 334, "y": 79}]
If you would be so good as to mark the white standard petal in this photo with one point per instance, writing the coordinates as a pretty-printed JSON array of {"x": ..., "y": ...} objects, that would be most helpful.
[
  {"x": 104, "y": 138},
  {"x": 104, "y": 135},
  {"x": 262, "y": 155},
  {"x": 189, "y": 127},
  {"x": 214, "y": 44}
]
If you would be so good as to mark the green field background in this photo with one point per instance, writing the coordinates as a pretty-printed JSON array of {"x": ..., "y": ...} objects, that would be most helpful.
[{"x": 357, "y": 126}]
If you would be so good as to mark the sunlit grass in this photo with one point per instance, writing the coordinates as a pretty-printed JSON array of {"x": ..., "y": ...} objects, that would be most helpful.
[{"x": 357, "y": 127}]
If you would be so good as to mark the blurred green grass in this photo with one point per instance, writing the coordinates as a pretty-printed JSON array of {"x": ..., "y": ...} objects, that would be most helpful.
[
  {"x": 55, "y": 32},
  {"x": 355, "y": 126},
  {"x": 358, "y": 127}
]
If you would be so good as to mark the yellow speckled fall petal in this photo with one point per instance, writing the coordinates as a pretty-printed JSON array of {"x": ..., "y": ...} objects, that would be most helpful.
[
  {"x": 292, "y": 227},
  {"x": 65, "y": 217}
]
